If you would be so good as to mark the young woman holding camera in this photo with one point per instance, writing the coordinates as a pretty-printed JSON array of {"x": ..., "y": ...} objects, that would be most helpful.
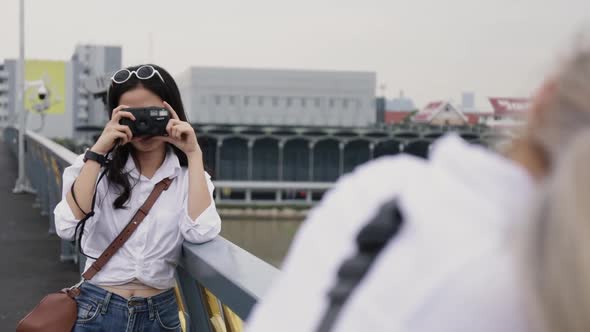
[{"x": 133, "y": 292}]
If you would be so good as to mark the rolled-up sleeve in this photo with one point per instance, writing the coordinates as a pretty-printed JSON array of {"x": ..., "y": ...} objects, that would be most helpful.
[
  {"x": 65, "y": 221},
  {"x": 207, "y": 225}
]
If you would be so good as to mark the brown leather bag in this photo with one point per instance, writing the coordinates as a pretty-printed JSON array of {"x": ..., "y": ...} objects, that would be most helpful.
[{"x": 57, "y": 312}]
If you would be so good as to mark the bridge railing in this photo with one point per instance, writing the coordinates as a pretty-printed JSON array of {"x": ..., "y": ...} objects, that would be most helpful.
[{"x": 217, "y": 282}]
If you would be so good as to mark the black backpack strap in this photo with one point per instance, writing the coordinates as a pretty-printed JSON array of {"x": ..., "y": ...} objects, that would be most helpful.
[{"x": 371, "y": 239}]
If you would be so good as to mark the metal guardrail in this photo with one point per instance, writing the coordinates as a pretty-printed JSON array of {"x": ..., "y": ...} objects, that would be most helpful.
[
  {"x": 217, "y": 282},
  {"x": 283, "y": 193}
]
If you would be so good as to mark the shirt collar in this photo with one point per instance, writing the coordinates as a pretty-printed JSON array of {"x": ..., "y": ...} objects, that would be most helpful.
[{"x": 169, "y": 168}]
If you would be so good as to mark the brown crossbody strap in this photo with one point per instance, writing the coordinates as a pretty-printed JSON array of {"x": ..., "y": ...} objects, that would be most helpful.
[{"x": 128, "y": 230}]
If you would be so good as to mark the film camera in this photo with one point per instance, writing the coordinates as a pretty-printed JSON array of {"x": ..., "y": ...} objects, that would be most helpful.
[{"x": 149, "y": 121}]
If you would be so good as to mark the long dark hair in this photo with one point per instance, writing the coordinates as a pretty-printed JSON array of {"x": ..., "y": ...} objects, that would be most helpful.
[{"x": 168, "y": 91}]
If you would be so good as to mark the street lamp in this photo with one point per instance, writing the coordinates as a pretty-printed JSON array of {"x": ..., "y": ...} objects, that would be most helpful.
[
  {"x": 43, "y": 94},
  {"x": 22, "y": 183}
]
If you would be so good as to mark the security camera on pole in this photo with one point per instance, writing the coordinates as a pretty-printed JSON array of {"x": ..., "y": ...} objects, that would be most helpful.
[{"x": 42, "y": 101}]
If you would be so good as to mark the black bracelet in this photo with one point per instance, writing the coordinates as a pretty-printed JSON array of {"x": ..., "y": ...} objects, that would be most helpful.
[{"x": 91, "y": 155}]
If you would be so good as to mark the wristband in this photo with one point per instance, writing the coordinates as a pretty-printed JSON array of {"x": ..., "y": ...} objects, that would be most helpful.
[{"x": 91, "y": 155}]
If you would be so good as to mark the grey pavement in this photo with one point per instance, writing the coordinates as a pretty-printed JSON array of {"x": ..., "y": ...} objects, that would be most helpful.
[{"x": 29, "y": 255}]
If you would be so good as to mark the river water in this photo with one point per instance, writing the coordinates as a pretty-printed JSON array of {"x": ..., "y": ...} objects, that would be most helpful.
[{"x": 266, "y": 237}]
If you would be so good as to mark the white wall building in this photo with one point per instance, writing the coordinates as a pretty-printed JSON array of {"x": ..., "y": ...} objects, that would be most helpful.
[
  {"x": 7, "y": 92},
  {"x": 50, "y": 125},
  {"x": 278, "y": 97},
  {"x": 89, "y": 64},
  {"x": 84, "y": 111}
]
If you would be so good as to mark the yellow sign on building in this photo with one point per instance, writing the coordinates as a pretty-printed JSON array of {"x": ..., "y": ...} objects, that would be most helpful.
[{"x": 53, "y": 75}]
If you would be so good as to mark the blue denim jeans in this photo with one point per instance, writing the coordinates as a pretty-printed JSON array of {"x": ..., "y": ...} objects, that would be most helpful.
[{"x": 100, "y": 310}]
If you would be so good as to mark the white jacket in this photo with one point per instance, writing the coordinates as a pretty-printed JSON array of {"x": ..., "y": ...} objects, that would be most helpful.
[{"x": 450, "y": 268}]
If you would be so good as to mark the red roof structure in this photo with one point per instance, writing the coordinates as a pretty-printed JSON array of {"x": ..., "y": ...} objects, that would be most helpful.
[
  {"x": 393, "y": 117},
  {"x": 441, "y": 113},
  {"x": 510, "y": 106},
  {"x": 426, "y": 114}
]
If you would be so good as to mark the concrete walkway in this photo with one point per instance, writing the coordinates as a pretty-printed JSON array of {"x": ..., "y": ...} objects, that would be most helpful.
[{"x": 29, "y": 255}]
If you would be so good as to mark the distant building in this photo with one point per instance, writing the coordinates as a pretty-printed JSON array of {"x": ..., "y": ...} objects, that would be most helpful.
[
  {"x": 79, "y": 109},
  {"x": 510, "y": 107},
  {"x": 475, "y": 117},
  {"x": 444, "y": 113},
  {"x": 7, "y": 92},
  {"x": 238, "y": 96},
  {"x": 400, "y": 104},
  {"x": 399, "y": 109},
  {"x": 50, "y": 116},
  {"x": 394, "y": 117},
  {"x": 90, "y": 63},
  {"x": 441, "y": 113},
  {"x": 470, "y": 111},
  {"x": 508, "y": 112},
  {"x": 468, "y": 102}
]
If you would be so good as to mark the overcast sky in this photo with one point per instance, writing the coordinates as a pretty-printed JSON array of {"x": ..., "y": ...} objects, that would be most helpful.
[{"x": 431, "y": 49}]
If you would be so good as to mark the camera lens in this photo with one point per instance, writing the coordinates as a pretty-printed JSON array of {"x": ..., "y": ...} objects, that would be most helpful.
[{"x": 142, "y": 125}]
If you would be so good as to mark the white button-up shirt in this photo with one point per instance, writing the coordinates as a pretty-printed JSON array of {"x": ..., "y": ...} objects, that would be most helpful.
[
  {"x": 452, "y": 266},
  {"x": 153, "y": 251}
]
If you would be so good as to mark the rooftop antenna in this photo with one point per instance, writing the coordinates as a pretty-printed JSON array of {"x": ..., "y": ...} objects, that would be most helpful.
[{"x": 382, "y": 88}]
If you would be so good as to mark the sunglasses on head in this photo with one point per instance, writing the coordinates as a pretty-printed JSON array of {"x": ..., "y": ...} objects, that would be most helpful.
[{"x": 144, "y": 72}]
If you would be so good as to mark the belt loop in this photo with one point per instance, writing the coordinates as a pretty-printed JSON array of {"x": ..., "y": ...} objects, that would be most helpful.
[
  {"x": 151, "y": 308},
  {"x": 105, "y": 303}
]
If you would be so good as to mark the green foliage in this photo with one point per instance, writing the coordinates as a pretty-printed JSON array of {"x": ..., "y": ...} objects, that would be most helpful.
[{"x": 408, "y": 118}]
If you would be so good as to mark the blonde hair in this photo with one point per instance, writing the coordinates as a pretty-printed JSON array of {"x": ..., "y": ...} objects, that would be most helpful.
[{"x": 558, "y": 241}]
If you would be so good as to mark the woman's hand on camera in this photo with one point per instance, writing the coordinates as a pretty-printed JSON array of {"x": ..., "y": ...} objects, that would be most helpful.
[
  {"x": 180, "y": 133},
  {"x": 114, "y": 131}
]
